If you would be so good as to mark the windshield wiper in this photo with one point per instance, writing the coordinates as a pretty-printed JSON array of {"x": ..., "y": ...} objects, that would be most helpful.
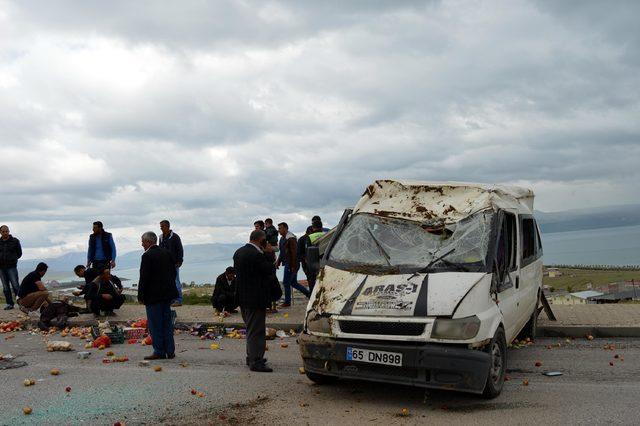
[
  {"x": 382, "y": 251},
  {"x": 436, "y": 260},
  {"x": 460, "y": 266}
]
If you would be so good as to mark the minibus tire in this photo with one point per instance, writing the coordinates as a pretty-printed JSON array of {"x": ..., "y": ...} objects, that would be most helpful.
[
  {"x": 321, "y": 379},
  {"x": 498, "y": 344}
]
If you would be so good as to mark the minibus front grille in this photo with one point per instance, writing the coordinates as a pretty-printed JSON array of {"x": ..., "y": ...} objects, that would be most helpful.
[{"x": 382, "y": 328}]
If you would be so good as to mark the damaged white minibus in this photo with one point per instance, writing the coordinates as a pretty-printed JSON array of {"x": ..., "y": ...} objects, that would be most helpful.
[{"x": 425, "y": 284}]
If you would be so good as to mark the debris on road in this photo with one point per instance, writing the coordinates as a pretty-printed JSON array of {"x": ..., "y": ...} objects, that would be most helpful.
[
  {"x": 301, "y": 370},
  {"x": 552, "y": 373},
  {"x": 538, "y": 364},
  {"x": 58, "y": 345},
  {"x": 83, "y": 355},
  {"x": 8, "y": 327},
  {"x": 27, "y": 410},
  {"x": 157, "y": 368},
  {"x": 143, "y": 363},
  {"x": 102, "y": 341},
  {"x": 55, "y": 372},
  {"x": 525, "y": 382},
  {"x": 29, "y": 382}
]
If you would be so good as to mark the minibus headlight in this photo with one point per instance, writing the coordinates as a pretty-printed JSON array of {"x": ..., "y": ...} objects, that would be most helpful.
[
  {"x": 317, "y": 323},
  {"x": 456, "y": 329}
]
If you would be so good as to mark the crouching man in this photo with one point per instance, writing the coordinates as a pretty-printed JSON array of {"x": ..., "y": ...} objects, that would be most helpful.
[
  {"x": 32, "y": 294},
  {"x": 105, "y": 293},
  {"x": 89, "y": 275},
  {"x": 224, "y": 292}
]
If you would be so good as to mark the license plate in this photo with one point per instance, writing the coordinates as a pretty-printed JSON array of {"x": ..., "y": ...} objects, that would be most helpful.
[{"x": 374, "y": 357}]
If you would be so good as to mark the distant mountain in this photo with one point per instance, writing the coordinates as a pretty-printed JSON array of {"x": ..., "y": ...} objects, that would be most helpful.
[
  {"x": 196, "y": 253},
  {"x": 594, "y": 218}
]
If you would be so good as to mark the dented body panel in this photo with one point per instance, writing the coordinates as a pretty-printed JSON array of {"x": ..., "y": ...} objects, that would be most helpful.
[{"x": 417, "y": 277}]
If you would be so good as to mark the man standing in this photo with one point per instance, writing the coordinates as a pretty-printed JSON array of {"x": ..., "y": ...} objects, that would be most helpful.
[
  {"x": 156, "y": 290},
  {"x": 224, "y": 292},
  {"x": 10, "y": 252},
  {"x": 171, "y": 242},
  {"x": 289, "y": 258},
  {"x": 317, "y": 232},
  {"x": 303, "y": 242},
  {"x": 254, "y": 274},
  {"x": 102, "y": 248},
  {"x": 271, "y": 232},
  {"x": 105, "y": 294},
  {"x": 33, "y": 294}
]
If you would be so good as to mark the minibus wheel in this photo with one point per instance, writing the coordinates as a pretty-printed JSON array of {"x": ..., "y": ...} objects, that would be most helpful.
[
  {"x": 497, "y": 349},
  {"x": 321, "y": 379}
]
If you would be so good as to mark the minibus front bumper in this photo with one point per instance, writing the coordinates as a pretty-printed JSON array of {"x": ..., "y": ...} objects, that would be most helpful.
[{"x": 437, "y": 366}]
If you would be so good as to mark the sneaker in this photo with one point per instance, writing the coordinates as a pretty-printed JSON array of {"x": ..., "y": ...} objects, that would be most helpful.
[{"x": 8, "y": 307}]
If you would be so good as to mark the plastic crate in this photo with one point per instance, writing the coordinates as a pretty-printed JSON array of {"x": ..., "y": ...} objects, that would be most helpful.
[{"x": 116, "y": 335}]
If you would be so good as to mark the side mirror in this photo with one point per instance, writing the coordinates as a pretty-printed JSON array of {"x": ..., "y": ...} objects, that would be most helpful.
[{"x": 313, "y": 258}]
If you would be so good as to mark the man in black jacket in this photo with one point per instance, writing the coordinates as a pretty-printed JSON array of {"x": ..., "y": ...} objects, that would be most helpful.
[
  {"x": 105, "y": 293},
  {"x": 10, "y": 252},
  {"x": 170, "y": 241},
  {"x": 156, "y": 290},
  {"x": 254, "y": 274},
  {"x": 89, "y": 275},
  {"x": 224, "y": 293}
]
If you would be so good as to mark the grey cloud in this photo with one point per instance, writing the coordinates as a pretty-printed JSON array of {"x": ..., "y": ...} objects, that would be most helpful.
[{"x": 293, "y": 110}]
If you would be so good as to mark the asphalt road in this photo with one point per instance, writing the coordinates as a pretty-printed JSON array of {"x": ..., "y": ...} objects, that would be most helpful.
[{"x": 590, "y": 390}]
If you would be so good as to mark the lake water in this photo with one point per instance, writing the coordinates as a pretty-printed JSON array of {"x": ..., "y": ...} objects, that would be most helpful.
[{"x": 606, "y": 246}]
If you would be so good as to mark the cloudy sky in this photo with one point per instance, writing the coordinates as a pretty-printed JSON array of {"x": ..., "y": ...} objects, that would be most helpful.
[{"x": 213, "y": 114}]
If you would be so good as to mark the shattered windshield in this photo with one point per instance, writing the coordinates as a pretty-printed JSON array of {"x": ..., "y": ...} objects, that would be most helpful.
[{"x": 372, "y": 243}]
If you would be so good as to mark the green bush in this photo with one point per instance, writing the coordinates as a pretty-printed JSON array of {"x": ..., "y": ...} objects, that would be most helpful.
[{"x": 194, "y": 299}]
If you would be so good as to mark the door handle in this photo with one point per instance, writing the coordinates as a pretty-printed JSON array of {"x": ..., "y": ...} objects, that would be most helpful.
[{"x": 517, "y": 283}]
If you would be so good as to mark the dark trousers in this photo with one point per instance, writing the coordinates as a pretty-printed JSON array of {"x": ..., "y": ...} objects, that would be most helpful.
[
  {"x": 99, "y": 304},
  {"x": 161, "y": 328},
  {"x": 100, "y": 264},
  {"x": 290, "y": 279},
  {"x": 9, "y": 278},
  {"x": 254, "y": 319}
]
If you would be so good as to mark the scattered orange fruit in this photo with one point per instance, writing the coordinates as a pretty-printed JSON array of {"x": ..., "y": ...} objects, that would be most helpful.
[
  {"x": 525, "y": 382},
  {"x": 55, "y": 372},
  {"x": 27, "y": 410},
  {"x": 157, "y": 368}
]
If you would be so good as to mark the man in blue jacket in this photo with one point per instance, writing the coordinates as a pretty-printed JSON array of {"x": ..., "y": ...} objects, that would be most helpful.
[{"x": 102, "y": 248}]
